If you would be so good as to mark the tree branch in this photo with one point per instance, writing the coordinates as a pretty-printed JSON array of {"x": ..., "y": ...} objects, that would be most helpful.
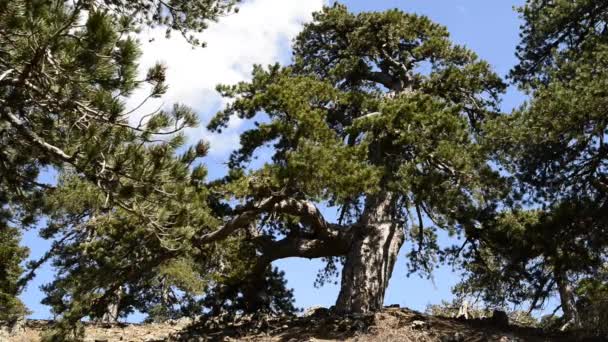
[
  {"x": 304, "y": 247},
  {"x": 382, "y": 78},
  {"x": 22, "y": 127},
  {"x": 306, "y": 210}
]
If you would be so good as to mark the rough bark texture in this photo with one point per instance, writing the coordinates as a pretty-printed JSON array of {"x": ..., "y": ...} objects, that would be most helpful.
[
  {"x": 369, "y": 263},
  {"x": 112, "y": 310},
  {"x": 567, "y": 299},
  {"x": 111, "y": 314}
]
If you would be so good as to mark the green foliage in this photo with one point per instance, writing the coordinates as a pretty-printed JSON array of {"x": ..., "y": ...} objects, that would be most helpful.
[
  {"x": 373, "y": 101},
  {"x": 126, "y": 204},
  {"x": 555, "y": 149},
  {"x": 556, "y": 31},
  {"x": 125, "y": 246},
  {"x": 556, "y": 143},
  {"x": 258, "y": 294},
  {"x": 11, "y": 257},
  {"x": 184, "y": 16},
  {"x": 593, "y": 303},
  {"x": 520, "y": 255}
]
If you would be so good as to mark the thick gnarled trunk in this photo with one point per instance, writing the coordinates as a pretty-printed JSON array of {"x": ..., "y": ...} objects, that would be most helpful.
[
  {"x": 568, "y": 301},
  {"x": 370, "y": 261}
]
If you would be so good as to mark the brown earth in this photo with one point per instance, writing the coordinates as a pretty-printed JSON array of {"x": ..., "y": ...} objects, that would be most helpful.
[{"x": 392, "y": 324}]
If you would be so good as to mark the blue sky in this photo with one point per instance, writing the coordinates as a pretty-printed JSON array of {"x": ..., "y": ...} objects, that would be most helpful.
[{"x": 261, "y": 33}]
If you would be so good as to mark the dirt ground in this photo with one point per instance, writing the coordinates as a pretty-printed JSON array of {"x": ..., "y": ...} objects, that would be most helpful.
[{"x": 389, "y": 325}]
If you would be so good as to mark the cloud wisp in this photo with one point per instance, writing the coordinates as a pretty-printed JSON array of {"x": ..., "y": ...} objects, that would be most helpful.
[{"x": 260, "y": 33}]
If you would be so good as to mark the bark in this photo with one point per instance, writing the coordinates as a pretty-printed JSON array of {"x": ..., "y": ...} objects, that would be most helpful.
[
  {"x": 112, "y": 310},
  {"x": 568, "y": 303},
  {"x": 371, "y": 258},
  {"x": 111, "y": 315},
  {"x": 306, "y": 210}
]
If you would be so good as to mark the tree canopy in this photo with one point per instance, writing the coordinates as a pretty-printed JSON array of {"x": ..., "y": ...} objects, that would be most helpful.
[
  {"x": 67, "y": 69},
  {"x": 554, "y": 146},
  {"x": 373, "y": 118},
  {"x": 380, "y": 131}
]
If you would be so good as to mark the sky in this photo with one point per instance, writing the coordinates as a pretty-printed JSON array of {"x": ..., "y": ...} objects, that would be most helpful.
[{"x": 261, "y": 34}]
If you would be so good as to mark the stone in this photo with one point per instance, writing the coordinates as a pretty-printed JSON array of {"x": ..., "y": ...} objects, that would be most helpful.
[
  {"x": 463, "y": 311},
  {"x": 419, "y": 325},
  {"x": 456, "y": 337},
  {"x": 18, "y": 326},
  {"x": 359, "y": 326},
  {"x": 500, "y": 318},
  {"x": 316, "y": 311},
  {"x": 509, "y": 338}
]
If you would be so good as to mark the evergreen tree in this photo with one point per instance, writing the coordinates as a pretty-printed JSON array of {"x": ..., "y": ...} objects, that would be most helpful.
[
  {"x": 379, "y": 117},
  {"x": 555, "y": 147},
  {"x": 530, "y": 256},
  {"x": 66, "y": 69},
  {"x": 11, "y": 257}
]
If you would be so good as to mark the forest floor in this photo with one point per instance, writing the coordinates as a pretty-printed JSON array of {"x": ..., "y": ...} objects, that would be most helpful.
[{"x": 392, "y": 324}]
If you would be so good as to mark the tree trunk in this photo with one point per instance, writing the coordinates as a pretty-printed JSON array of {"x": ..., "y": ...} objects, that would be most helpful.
[
  {"x": 111, "y": 315},
  {"x": 369, "y": 263},
  {"x": 567, "y": 299},
  {"x": 113, "y": 308}
]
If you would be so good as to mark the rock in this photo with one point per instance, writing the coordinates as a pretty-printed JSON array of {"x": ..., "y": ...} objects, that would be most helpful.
[
  {"x": 4, "y": 335},
  {"x": 456, "y": 337},
  {"x": 316, "y": 311},
  {"x": 393, "y": 306},
  {"x": 18, "y": 326},
  {"x": 509, "y": 338},
  {"x": 359, "y": 326},
  {"x": 500, "y": 318},
  {"x": 463, "y": 311},
  {"x": 183, "y": 321},
  {"x": 419, "y": 325},
  {"x": 13, "y": 328}
]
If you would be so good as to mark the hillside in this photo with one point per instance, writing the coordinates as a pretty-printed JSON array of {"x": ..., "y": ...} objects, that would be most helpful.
[{"x": 392, "y": 324}]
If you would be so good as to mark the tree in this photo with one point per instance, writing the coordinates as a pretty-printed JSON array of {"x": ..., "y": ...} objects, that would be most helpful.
[
  {"x": 12, "y": 255},
  {"x": 555, "y": 148},
  {"x": 110, "y": 258},
  {"x": 530, "y": 256},
  {"x": 130, "y": 196},
  {"x": 378, "y": 117},
  {"x": 63, "y": 82},
  {"x": 66, "y": 69},
  {"x": 554, "y": 31}
]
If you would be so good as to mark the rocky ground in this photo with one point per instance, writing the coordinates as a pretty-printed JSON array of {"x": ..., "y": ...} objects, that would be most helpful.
[{"x": 392, "y": 324}]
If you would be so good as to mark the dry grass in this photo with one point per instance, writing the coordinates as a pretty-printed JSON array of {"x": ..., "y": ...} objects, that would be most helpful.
[{"x": 389, "y": 325}]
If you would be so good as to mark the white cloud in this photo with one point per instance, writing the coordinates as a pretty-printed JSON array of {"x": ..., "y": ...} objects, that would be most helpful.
[{"x": 259, "y": 34}]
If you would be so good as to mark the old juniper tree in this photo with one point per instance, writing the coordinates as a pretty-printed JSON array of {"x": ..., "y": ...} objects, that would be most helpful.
[{"x": 378, "y": 118}]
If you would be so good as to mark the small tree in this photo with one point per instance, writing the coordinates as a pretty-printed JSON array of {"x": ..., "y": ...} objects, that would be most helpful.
[{"x": 11, "y": 255}]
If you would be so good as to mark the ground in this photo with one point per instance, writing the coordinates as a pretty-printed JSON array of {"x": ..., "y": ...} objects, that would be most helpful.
[{"x": 392, "y": 324}]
